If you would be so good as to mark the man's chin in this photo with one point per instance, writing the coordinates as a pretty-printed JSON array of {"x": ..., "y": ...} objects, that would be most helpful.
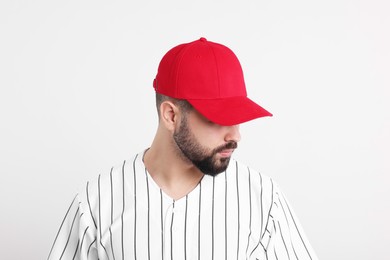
[{"x": 223, "y": 163}]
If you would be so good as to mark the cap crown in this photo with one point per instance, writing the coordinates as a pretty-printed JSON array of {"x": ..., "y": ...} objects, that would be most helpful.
[{"x": 200, "y": 70}]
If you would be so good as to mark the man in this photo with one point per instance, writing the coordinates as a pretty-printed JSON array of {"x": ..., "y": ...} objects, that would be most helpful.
[{"x": 184, "y": 197}]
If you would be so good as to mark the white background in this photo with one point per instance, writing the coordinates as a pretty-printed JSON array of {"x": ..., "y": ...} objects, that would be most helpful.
[{"x": 76, "y": 98}]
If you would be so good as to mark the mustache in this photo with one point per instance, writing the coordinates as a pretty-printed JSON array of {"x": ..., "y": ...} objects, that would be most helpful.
[{"x": 228, "y": 145}]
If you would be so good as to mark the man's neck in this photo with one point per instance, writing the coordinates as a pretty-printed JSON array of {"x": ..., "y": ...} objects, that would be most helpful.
[{"x": 173, "y": 174}]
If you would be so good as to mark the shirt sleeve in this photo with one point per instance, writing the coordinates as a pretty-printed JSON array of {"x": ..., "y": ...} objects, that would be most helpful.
[
  {"x": 284, "y": 237},
  {"x": 75, "y": 238}
]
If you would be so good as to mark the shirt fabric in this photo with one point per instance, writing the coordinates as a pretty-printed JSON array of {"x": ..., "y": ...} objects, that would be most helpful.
[{"x": 124, "y": 215}]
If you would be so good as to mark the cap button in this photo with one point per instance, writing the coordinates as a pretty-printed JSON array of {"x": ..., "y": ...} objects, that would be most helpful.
[{"x": 202, "y": 39}]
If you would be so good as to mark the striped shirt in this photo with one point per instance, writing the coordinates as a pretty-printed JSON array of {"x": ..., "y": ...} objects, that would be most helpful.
[{"x": 238, "y": 214}]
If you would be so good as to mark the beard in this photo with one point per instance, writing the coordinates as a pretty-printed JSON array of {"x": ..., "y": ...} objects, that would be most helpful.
[{"x": 201, "y": 157}]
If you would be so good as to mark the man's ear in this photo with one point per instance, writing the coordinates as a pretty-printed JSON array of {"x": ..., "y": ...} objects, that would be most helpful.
[{"x": 169, "y": 115}]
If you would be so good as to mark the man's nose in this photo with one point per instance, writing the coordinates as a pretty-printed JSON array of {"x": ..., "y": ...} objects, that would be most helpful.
[{"x": 233, "y": 133}]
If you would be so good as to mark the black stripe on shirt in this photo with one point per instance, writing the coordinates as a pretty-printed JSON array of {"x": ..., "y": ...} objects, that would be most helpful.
[
  {"x": 77, "y": 247},
  {"x": 147, "y": 192},
  {"x": 135, "y": 208},
  {"x": 284, "y": 243},
  {"x": 173, "y": 216},
  {"x": 296, "y": 227},
  {"x": 89, "y": 205},
  {"x": 162, "y": 225},
  {"x": 250, "y": 210},
  {"x": 261, "y": 204},
  {"x": 270, "y": 208},
  {"x": 112, "y": 212},
  {"x": 288, "y": 224},
  {"x": 226, "y": 238},
  {"x": 89, "y": 247},
  {"x": 70, "y": 232},
  {"x": 62, "y": 223},
  {"x": 185, "y": 229},
  {"x": 200, "y": 198},
  {"x": 100, "y": 219},
  {"x": 238, "y": 212},
  {"x": 123, "y": 209},
  {"x": 82, "y": 240},
  {"x": 212, "y": 221}
]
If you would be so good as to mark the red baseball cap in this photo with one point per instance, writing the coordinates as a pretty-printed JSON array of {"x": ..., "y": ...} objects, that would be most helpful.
[{"x": 209, "y": 76}]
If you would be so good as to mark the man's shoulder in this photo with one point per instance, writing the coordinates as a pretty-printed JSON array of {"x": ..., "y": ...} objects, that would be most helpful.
[
  {"x": 245, "y": 174},
  {"x": 250, "y": 185},
  {"x": 112, "y": 177},
  {"x": 245, "y": 170}
]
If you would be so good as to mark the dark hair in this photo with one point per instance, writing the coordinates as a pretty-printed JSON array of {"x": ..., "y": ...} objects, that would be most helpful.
[{"x": 183, "y": 104}]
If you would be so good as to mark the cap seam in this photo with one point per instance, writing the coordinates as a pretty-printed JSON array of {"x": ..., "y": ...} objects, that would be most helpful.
[
  {"x": 217, "y": 66},
  {"x": 182, "y": 52}
]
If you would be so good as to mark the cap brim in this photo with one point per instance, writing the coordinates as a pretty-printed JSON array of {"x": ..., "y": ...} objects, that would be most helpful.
[{"x": 229, "y": 111}]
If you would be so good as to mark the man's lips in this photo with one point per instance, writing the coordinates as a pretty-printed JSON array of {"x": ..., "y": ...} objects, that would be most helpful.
[{"x": 226, "y": 152}]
